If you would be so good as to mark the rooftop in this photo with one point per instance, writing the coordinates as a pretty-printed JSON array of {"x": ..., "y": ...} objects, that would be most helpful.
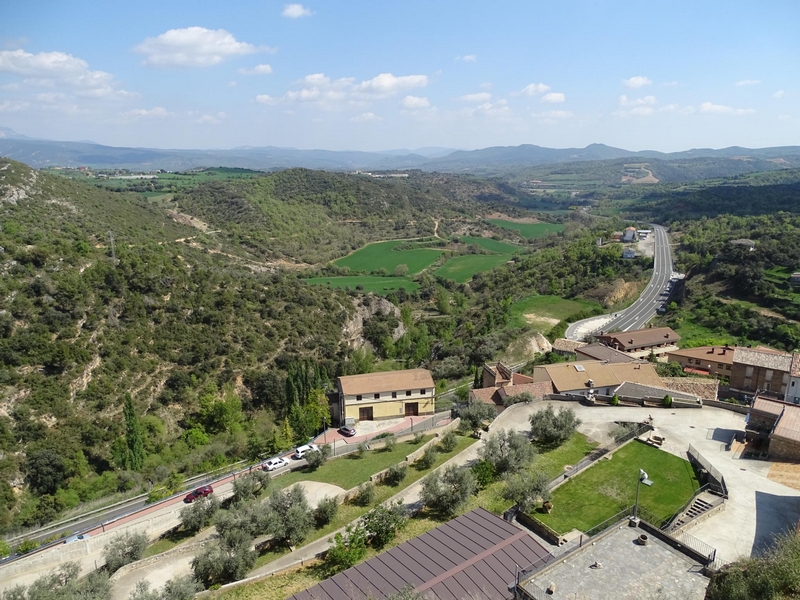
[
  {"x": 576, "y": 375},
  {"x": 638, "y": 390},
  {"x": 627, "y": 570},
  {"x": 766, "y": 358},
  {"x": 787, "y": 425},
  {"x": 651, "y": 336},
  {"x": 696, "y": 386},
  {"x": 718, "y": 354},
  {"x": 604, "y": 353},
  {"x": 388, "y": 381},
  {"x": 565, "y": 345},
  {"x": 472, "y": 556},
  {"x": 795, "y": 368}
]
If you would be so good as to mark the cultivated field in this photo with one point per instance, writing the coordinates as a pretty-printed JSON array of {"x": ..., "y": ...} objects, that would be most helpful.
[
  {"x": 609, "y": 486},
  {"x": 377, "y": 285},
  {"x": 462, "y": 268},
  {"x": 381, "y": 255},
  {"x": 529, "y": 230},
  {"x": 492, "y": 245}
]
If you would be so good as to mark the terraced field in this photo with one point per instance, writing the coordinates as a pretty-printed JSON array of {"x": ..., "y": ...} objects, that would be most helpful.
[{"x": 462, "y": 268}]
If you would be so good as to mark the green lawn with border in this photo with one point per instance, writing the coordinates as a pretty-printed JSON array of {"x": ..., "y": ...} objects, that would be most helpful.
[
  {"x": 549, "y": 307},
  {"x": 529, "y": 230},
  {"x": 609, "y": 486},
  {"x": 492, "y": 245},
  {"x": 462, "y": 268},
  {"x": 373, "y": 257},
  {"x": 377, "y": 285}
]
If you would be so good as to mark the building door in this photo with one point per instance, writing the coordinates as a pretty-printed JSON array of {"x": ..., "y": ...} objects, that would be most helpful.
[
  {"x": 365, "y": 413},
  {"x": 412, "y": 409}
]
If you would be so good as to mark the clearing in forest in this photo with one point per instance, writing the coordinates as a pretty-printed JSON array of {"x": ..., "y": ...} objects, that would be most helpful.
[
  {"x": 382, "y": 255},
  {"x": 543, "y": 312},
  {"x": 462, "y": 268}
]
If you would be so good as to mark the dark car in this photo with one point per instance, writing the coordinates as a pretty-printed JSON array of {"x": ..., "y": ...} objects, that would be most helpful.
[
  {"x": 200, "y": 492},
  {"x": 347, "y": 431}
]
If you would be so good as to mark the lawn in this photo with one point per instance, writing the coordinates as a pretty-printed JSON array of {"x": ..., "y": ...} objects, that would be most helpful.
[
  {"x": 382, "y": 255},
  {"x": 550, "y": 308},
  {"x": 462, "y": 268},
  {"x": 492, "y": 245},
  {"x": 609, "y": 486},
  {"x": 529, "y": 230},
  {"x": 377, "y": 285}
]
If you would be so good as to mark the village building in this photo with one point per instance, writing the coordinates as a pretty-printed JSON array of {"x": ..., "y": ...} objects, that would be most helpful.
[
  {"x": 641, "y": 342},
  {"x": 500, "y": 382},
  {"x": 592, "y": 377},
  {"x": 567, "y": 348},
  {"x": 704, "y": 360},
  {"x": 760, "y": 369},
  {"x": 779, "y": 424},
  {"x": 389, "y": 395}
]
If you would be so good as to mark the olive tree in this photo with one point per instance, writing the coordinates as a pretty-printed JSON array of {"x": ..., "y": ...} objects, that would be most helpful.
[
  {"x": 525, "y": 490},
  {"x": 508, "y": 451},
  {"x": 289, "y": 517},
  {"x": 199, "y": 513},
  {"x": 447, "y": 492},
  {"x": 553, "y": 429},
  {"x": 123, "y": 549}
]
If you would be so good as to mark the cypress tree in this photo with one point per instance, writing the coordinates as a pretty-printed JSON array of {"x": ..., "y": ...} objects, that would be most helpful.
[{"x": 134, "y": 457}]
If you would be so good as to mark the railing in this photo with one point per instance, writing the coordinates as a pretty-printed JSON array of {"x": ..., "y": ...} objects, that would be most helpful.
[
  {"x": 705, "y": 488},
  {"x": 697, "y": 545},
  {"x": 717, "y": 483},
  {"x": 602, "y": 451},
  {"x": 531, "y": 591},
  {"x": 601, "y": 527}
]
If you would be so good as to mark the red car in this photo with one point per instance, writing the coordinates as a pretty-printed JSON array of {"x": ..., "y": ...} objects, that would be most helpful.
[{"x": 200, "y": 492}]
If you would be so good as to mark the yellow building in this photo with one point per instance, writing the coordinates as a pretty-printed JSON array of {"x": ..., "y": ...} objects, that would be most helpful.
[{"x": 389, "y": 395}]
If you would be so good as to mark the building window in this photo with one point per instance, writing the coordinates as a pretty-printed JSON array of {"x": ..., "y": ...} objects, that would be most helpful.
[
  {"x": 719, "y": 366},
  {"x": 422, "y": 391},
  {"x": 377, "y": 396},
  {"x": 768, "y": 375},
  {"x": 747, "y": 383},
  {"x": 358, "y": 397},
  {"x": 748, "y": 372},
  {"x": 766, "y": 387},
  {"x": 408, "y": 392},
  {"x": 727, "y": 367},
  {"x": 394, "y": 394}
]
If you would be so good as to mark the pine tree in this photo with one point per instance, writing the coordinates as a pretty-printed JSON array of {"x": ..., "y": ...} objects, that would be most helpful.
[{"x": 134, "y": 458}]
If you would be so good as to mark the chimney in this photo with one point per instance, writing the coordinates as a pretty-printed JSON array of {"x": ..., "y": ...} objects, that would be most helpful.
[
  {"x": 666, "y": 335},
  {"x": 591, "y": 383},
  {"x": 713, "y": 350}
]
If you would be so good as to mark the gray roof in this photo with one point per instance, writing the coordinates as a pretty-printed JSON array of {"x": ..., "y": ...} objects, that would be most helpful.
[
  {"x": 638, "y": 390},
  {"x": 472, "y": 556},
  {"x": 778, "y": 361},
  {"x": 605, "y": 353}
]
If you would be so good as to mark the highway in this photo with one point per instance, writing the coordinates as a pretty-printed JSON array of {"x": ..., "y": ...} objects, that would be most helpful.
[{"x": 640, "y": 312}]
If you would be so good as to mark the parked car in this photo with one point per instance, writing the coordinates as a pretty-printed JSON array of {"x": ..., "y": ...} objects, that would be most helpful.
[
  {"x": 77, "y": 538},
  {"x": 200, "y": 492},
  {"x": 347, "y": 431},
  {"x": 301, "y": 451},
  {"x": 275, "y": 463}
]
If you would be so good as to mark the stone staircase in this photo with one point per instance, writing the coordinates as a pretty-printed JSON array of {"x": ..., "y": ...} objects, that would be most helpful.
[{"x": 702, "y": 504}]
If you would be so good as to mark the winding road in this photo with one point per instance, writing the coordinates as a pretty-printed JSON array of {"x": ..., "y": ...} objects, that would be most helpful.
[{"x": 640, "y": 312}]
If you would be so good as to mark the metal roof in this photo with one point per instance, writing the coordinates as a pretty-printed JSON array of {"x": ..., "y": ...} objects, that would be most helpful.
[{"x": 472, "y": 556}]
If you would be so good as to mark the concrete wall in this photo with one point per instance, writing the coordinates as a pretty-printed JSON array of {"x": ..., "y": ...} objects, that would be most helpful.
[
  {"x": 783, "y": 449},
  {"x": 737, "y": 408},
  {"x": 393, "y": 409}
]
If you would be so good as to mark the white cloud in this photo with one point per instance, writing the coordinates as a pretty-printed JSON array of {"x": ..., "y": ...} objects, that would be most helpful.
[
  {"x": 479, "y": 97},
  {"x": 367, "y": 117},
  {"x": 387, "y": 84},
  {"x": 50, "y": 97},
  {"x": 266, "y": 99},
  {"x": 534, "y": 89},
  {"x": 296, "y": 11},
  {"x": 637, "y": 82},
  {"x": 778, "y": 94},
  {"x": 212, "y": 119},
  {"x": 554, "y": 114},
  {"x": 553, "y": 98},
  {"x": 257, "y": 70},
  {"x": 642, "y": 111},
  {"x": 50, "y": 69},
  {"x": 498, "y": 110},
  {"x": 646, "y": 101},
  {"x": 720, "y": 109},
  {"x": 9, "y": 106},
  {"x": 157, "y": 112},
  {"x": 669, "y": 108},
  {"x": 192, "y": 47},
  {"x": 415, "y": 102},
  {"x": 747, "y": 82},
  {"x": 468, "y": 58}
]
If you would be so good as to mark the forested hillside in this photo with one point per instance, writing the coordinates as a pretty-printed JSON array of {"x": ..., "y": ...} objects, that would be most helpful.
[{"x": 316, "y": 216}]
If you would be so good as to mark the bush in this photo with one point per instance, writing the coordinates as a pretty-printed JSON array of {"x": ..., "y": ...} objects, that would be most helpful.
[
  {"x": 124, "y": 549},
  {"x": 383, "y": 522},
  {"x": 418, "y": 438},
  {"x": 157, "y": 494},
  {"x": 667, "y": 401},
  {"x": 326, "y": 511},
  {"x": 5, "y": 549},
  {"x": 365, "y": 494},
  {"x": 227, "y": 561},
  {"x": 361, "y": 450},
  {"x": 199, "y": 514},
  {"x": 508, "y": 452},
  {"x": 251, "y": 486},
  {"x": 615, "y": 400},
  {"x": 525, "y": 491},
  {"x": 26, "y": 546},
  {"x": 389, "y": 443},
  {"x": 396, "y": 474},
  {"x": 251, "y": 518},
  {"x": 289, "y": 517},
  {"x": 318, "y": 458},
  {"x": 179, "y": 588},
  {"x": 428, "y": 458},
  {"x": 553, "y": 429},
  {"x": 484, "y": 473},
  {"x": 446, "y": 493},
  {"x": 475, "y": 413},
  {"x": 525, "y": 397},
  {"x": 448, "y": 442},
  {"x": 347, "y": 550}
]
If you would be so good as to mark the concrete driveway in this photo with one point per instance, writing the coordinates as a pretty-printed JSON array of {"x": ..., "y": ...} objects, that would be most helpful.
[{"x": 758, "y": 507}]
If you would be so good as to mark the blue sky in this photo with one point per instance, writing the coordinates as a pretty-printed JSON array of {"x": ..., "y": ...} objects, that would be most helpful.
[{"x": 374, "y": 75}]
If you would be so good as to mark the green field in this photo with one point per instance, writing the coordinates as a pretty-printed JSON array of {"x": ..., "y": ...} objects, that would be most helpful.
[
  {"x": 529, "y": 230},
  {"x": 609, "y": 487},
  {"x": 382, "y": 255},
  {"x": 546, "y": 307},
  {"x": 492, "y": 245},
  {"x": 377, "y": 285},
  {"x": 462, "y": 268}
]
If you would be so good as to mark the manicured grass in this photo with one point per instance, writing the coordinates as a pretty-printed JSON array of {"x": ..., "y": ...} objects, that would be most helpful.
[
  {"x": 382, "y": 255},
  {"x": 609, "y": 486},
  {"x": 492, "y": 245},
  {"x": 529, "y": 230},
  {"x": 377, "y": 285},
  {"x": 462, "y": 268},
  {"x": 549, "y": 307}
]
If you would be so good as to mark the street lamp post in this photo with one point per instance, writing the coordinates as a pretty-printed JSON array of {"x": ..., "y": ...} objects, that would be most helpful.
[{"x": 642, "y": 479}]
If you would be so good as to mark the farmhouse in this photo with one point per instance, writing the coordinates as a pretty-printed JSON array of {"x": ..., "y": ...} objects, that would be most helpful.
[
  {"x": 629, "y": 235},
  {"x": 705, "y": 360},
  {"x": 762, "y": 369},
  {"x": 629, "y": 253},
  {"x": 600, "y": 378},
  {"x": 641, "y": 342},
  {"x": 499, "y": 383},
  {"x": 376, "y": 396},
  {"x": 476, "y": 555},
  {"x": 565, "y": 347}
]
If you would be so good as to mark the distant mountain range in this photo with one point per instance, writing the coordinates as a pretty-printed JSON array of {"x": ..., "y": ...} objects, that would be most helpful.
[{"x": 40, "y": 153}]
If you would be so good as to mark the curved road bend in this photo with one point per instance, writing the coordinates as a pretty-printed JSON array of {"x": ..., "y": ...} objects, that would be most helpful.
[{"x": 640, "y": 312}]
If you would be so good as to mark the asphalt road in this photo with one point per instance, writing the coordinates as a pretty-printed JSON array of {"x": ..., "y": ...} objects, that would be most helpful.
[{"x": 657, "y": 291}]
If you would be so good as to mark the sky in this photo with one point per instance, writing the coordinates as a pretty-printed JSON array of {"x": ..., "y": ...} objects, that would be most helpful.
[{"x": 374, "y": 75}]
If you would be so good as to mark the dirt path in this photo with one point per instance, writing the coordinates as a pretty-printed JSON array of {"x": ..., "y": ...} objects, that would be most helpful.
[{"x": 436, "y": 228}]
